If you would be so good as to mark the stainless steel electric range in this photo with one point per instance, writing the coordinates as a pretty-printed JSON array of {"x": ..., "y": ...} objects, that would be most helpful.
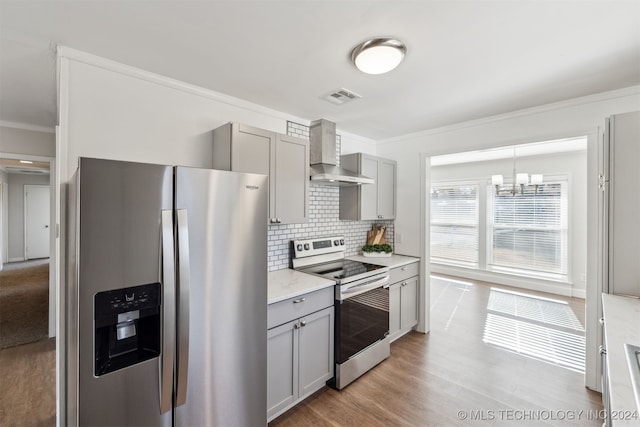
[{"x": 361, "y": 305}]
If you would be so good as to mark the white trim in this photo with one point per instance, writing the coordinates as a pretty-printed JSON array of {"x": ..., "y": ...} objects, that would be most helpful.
[
  {"x": 117, "y": 67},
  {"x": 424, "y": 306},
  {"x": 16, "y": 259},
  {"x": 26, "y": 126},
  {"x": 574, "y": 102},
  {"x": 60, "y": 215}
]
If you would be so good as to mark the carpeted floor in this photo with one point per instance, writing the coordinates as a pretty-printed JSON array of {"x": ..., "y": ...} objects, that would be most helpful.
[{"x": 24, "y": 303}]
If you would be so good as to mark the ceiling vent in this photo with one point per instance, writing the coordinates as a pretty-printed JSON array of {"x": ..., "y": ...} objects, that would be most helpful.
[{"x": 341, "y": 96}]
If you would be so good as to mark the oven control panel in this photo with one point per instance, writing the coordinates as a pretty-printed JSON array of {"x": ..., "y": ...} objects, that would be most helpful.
[{"x": 318, "y": 246}]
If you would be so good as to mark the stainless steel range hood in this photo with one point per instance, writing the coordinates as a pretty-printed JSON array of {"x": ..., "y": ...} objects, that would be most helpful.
[{"x": 322, "y": 141}]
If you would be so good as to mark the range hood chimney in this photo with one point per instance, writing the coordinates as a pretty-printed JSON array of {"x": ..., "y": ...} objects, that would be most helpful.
[{"x": 322, "y": 142}]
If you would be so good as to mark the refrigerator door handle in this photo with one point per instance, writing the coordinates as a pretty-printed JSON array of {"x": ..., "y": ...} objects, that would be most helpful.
[
  {"x": 183, "y": 307},
  {"x": 168, "y": 312}
]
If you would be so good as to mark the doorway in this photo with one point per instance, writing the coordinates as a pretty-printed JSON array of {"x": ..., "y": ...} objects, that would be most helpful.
[
  {"x": 25, "y": 290},
  {"x": 576, "y": 275}
]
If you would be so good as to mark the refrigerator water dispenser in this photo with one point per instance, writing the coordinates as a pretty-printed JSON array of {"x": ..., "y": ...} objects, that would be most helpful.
[{"x": 127, "y": 327}]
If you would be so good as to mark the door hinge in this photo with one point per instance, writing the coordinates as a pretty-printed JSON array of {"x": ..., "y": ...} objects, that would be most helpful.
[{"x": 601, "y": 182}]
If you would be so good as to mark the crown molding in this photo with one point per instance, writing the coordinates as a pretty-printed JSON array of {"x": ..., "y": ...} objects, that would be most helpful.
[
  {"x": 26, "y": 126},
  {"x": 574, "y": 102},
  {"x": 148, "y": 76}
]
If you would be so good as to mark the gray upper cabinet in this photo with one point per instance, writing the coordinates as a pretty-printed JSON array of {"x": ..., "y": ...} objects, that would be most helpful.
[
  {"x": 285, "y": 159},
  {"x": 369, "y": 201}
]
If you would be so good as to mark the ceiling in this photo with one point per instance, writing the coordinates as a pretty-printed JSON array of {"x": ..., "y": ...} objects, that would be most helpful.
[{"x": 466, "y": 59}]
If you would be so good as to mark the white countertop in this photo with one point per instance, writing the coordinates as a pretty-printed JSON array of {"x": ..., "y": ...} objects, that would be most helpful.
[
  {"x": 288, "y": 283},
  {"x": 622, "y": 325},
  {"x": 392, "y": 262}
]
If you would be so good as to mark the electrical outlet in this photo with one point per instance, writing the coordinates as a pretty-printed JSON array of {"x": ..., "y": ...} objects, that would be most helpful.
[{"x": 398, "y": 238}]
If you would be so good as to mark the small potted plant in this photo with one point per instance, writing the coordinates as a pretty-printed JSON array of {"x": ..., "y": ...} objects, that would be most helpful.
[{"x": 383, "y": 250}]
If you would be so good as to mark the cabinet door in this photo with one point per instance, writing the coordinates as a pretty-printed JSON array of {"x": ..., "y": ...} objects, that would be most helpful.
[
  {"x": 316, "y": 351},
  {"x": 251, "y": 153},
  {"x": 386, "y": 184},
  {"x": 282, "y": 361},
  {"x": 409, "y": 303},
  {"x": 394, "y": 310},
  {"x": 291, "y": 179},
  {"x": 369, "y": 192},
  {"x": 251, "y": 149}
]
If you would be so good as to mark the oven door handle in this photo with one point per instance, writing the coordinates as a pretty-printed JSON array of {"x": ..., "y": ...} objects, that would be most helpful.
[{"x": 364, "y": 287}]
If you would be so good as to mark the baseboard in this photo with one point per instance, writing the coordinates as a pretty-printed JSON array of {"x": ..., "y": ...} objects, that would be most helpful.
[{"x": 17, "y": 259}]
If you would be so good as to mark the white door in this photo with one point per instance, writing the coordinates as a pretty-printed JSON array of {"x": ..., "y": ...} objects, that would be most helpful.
[{"x": 36, "y": 222}]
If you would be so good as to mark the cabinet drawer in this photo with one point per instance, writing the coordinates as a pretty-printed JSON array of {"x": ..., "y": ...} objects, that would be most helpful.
[
  {"x": 293, "y": 308},
  {"x": 399, "y": 274}
]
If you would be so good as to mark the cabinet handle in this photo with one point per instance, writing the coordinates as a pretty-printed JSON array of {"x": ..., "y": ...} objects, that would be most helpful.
[
  {"x": 380, "y": 216},
  {"x": 299, "y": 300},
  {"x": 278, "y": 220},
  {"x": 603, "y": 351},
  {"x": 273, "y": 220},
  {"x": 601, "y": 320},
  {"x": 404, "y": 284},
  {"x": 303, "y": 324},
  {"x": 296, "y": 326},
  {"x": 403, "y": 268}
]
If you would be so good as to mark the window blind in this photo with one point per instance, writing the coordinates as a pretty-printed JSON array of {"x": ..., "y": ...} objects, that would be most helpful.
[
  {"x": 528, "y": 232},
  {"x": 454, "y": 224}
]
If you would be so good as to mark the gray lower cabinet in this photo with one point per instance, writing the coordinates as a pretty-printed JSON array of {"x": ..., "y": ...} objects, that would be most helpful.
[
  {"x": 299, "y": 353},
  {"x": 403, "y": 300},
  {"x": 285, "y": 159}
]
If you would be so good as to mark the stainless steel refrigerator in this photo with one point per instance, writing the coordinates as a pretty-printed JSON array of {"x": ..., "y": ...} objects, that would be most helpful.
[{"x": 167, "y": 296}]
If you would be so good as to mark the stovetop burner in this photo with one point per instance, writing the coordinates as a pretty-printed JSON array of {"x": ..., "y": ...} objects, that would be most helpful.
[
  {"x": 325, "y": 257},
  {"x": 342, "y": 270}
]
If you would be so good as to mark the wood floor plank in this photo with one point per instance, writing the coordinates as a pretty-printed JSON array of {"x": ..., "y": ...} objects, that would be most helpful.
[{"x": 430, "y": 378}]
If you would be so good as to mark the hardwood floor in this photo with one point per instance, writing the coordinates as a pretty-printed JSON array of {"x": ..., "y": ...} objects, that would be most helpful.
[
  {"x": 451, "y": 376},
  {"x": 28, "y": 385}
]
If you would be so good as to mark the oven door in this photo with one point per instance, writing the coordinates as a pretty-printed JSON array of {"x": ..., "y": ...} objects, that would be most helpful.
[{"x": 362, "y": 316}]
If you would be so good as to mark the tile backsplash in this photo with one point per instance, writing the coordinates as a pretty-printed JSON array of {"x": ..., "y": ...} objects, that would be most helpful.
[{"x": 323, "y": 219}]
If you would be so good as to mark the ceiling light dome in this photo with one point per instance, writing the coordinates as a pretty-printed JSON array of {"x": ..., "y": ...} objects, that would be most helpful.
[{"x": 378, "y": 56}]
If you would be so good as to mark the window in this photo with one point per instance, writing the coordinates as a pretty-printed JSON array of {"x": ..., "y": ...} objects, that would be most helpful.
[
  {"x": 528, "y": 232},
  {"x": 522, "y": 234},
  {"x": 454, "y": 224}
]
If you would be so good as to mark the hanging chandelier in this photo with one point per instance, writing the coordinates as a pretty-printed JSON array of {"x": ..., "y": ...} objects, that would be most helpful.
[{"x": 519, "y": 180}]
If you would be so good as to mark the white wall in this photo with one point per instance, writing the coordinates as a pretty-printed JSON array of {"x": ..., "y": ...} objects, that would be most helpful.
[
  {"x": 568, "y": 119},
  {"x": 572, "y": 163},
  {"x": 114, "y": 111},
  {"x": 16, "y": 211},
  {"x": 25, "y": 141}
]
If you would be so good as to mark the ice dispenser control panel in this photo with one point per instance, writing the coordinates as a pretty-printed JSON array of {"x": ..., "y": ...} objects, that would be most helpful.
[{"x": 127, "y": 327}]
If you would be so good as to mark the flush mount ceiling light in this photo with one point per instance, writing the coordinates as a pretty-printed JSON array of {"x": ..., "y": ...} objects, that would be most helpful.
[{"x": 378, "y": 56}]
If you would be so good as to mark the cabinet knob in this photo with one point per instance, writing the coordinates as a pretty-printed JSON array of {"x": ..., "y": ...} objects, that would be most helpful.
[
  {"x": 403, "y": 268},
  {"x": 380, "y": 216},
  {"x": 601, "y": 320},
  {"x": 299, "y": 300},
  {"x": 303, "y": 323},
  {"x": 603, "y": 351}
]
